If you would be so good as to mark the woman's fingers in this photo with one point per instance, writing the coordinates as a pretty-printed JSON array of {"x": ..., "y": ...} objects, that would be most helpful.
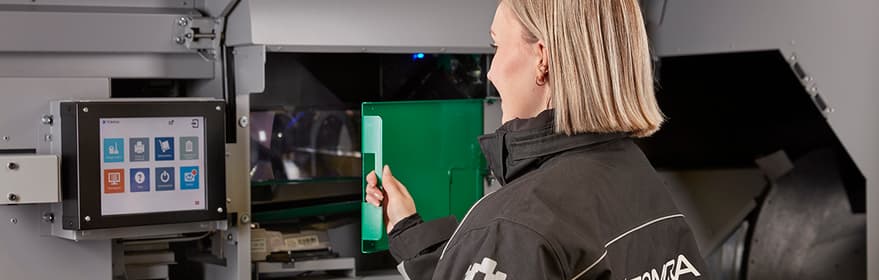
[
  {"x": 374, "y": 195},
  {"x": 371, "y": 179},
  {"x": 373, "y": 200}
]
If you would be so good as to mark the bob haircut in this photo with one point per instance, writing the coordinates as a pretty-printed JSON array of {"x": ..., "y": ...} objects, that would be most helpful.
[{"x": 600, "y": 74}]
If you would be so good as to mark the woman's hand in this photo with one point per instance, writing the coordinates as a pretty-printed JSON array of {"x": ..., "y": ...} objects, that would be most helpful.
[{"x": 394, "y": 197}]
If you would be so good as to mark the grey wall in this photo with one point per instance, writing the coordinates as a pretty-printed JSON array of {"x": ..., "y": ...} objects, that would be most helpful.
[{"x": 837, "y": 43}]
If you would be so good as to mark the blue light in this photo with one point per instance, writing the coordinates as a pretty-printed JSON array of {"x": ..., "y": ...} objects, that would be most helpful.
[{"x": 418, "y": 56}]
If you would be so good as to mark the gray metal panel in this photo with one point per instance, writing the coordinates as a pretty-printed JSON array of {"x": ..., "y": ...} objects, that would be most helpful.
[
  {"x": 836, "y": 42},
  {"x": 141, "y": 65},
  {"x": 250, "y": 70},
  {"x": 30, "y": 253},
  {"x": 29, "y": 179},
  {"x": 80, "y": 31},
  {"x": 106, "y": 3},
  {"x": 237, "y": 245},
  {"x": 492, "y": 116},
  {"x": 459, "y": 26},
  {"x": 213, "y": 88},
  {"x": 214, "y": 8},
  {"x": 26, "y": 100}
]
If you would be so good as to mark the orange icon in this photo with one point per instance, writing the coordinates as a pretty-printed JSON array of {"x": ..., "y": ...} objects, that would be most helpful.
[{"x": 113, "y": 182}]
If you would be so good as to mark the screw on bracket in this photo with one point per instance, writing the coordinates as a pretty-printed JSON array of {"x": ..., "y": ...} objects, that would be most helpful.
[
  {"x": 49, "y": 218},
  {"x": 12, "y": 197},
  {"x": 12, "y": 166},
  {"x": 243, "y": 121},
  {"x": 183, "y": 21}
]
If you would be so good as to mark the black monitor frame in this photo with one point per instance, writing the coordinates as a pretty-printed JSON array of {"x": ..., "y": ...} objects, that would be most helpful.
[{"x": 80, "y": 161}]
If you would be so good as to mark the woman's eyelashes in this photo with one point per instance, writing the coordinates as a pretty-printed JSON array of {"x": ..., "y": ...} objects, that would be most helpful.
[{"x": 494, "y": 46}]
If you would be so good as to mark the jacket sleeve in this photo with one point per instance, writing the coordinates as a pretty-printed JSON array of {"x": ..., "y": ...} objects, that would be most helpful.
[
  {"x": 502, "y": 250},
  {"x": 416, "y": 245}
]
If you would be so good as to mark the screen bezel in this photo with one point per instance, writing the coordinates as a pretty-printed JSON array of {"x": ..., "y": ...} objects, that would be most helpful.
[{"x": 88, "y": 198}]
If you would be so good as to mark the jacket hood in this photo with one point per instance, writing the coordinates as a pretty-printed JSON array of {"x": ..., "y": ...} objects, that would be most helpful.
[{"x": 521, "y": 145}]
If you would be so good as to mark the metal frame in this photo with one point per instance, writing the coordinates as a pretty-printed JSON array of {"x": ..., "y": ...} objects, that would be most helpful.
[
  {"x": 180, "y": 4},
  {"x": 108, "y": 30}
]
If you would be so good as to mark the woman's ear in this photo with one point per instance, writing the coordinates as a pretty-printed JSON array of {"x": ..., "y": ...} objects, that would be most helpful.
[
  {"x": 542, "y": 57},
  {"x": 542, "y": 70}
]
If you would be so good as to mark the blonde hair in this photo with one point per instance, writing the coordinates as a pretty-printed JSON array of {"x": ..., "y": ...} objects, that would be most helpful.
[{"x": 600, "y": 74}]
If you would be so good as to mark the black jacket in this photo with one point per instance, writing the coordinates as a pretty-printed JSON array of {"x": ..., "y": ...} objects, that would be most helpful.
[{"x": 588, "y": 206}]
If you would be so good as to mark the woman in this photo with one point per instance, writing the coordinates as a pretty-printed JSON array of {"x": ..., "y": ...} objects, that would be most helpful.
[{"x": 579, "y": 199}]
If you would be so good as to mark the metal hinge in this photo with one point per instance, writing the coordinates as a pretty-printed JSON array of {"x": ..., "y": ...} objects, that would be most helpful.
[
  {"x": 200, "y": 34},
  {"x": 809, "y": 84}
]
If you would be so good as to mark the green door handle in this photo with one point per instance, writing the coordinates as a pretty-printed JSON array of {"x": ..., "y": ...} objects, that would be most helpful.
[{"x": 373, "y": 219}]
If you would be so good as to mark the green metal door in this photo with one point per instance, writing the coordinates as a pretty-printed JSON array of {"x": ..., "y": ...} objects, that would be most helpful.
[{"x": 432, "y": 148}]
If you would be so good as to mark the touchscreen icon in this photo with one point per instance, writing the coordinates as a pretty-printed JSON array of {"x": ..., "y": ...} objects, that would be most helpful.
[
  {"x": 189, "y": 178},
  {"x": 139, "y": 149},
  {"x": 113, "y": 150},
  {"x": 140, "y": 180},
  {"x": 165, "y": 148},
  {"x": 113, "y": 181},
  {"x": 188, "y": 148},
  {"x": 164, "y": 179},
  {"x": 114, "y": 178},
  {"x": 194, "y": 123}
]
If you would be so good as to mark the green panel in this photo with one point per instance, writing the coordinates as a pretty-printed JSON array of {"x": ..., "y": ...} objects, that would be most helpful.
[{"x": 432, "y": 147}]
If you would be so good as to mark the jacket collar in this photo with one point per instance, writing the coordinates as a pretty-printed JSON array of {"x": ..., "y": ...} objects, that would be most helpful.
[{"x": 521, "y": 145}]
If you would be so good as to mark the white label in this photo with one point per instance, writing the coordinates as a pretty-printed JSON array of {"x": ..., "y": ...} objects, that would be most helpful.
[
  {"x": 302, "y": 241},
  {"x": 258, "y": 245}
]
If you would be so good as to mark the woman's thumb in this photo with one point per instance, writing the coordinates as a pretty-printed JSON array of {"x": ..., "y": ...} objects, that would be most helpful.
[{"x": 389, "y": 183}]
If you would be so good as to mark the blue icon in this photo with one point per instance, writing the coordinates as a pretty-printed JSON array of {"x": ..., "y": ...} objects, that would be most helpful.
[
  {"x": 164, "y": 178},
  {"x": 164, "y": 148},
  {"x": 189, "y": 177},
  {"x": 114, "y": 150},
  {"x": 140, "y": 179}
]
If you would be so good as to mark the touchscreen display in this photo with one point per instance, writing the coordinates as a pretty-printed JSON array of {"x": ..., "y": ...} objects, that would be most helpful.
[{"x": 151, "y": 165}]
